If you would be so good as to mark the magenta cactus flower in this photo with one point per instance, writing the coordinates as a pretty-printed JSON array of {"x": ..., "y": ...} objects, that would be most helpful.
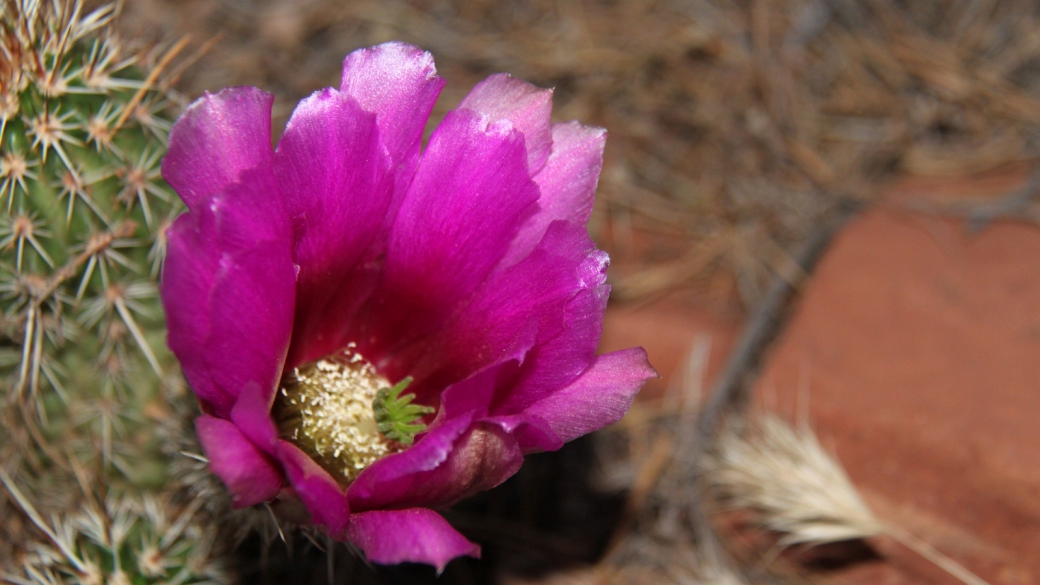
[{"x": 378, "y": 332}]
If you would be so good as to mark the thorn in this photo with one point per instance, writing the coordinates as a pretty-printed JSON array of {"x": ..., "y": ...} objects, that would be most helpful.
[
  {"x": 274, "y": 519},
  {"x": 142, "y": 343},
  {"x": 50, "y": 130},
  {"x": 36, "y": 519},
  {"x": 195, "y": 456},
  {"x": 150, "y": 80}
]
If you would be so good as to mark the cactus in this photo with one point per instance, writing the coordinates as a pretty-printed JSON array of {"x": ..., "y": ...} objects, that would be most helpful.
[
  {"x": 83, "y": 365},
  {"x": 125, "y": 540}
]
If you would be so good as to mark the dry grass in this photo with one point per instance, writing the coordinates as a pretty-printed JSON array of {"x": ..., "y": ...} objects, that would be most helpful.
[
  {"x": 799, "y": 491},
  {"x": 734, "y": 125},
  {"x": 795, "y": 490}
]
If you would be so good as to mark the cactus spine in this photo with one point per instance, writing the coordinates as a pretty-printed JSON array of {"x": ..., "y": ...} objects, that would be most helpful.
[{"x": 83, "y": 365}]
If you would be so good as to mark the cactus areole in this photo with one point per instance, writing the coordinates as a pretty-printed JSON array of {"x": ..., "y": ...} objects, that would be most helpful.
[
  {"x": 380, "y": 332},
  {"x": 84, "y": 120}
]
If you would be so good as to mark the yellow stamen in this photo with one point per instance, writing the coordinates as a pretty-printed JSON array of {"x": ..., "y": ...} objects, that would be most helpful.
[{"x": 325, "y": 408}]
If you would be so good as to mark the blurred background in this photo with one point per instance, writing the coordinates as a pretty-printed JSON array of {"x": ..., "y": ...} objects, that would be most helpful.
[{"x": 852, "y": 180}]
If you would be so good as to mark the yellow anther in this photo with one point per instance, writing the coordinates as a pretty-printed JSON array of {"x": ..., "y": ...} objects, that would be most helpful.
[{"x": 325, "y": 408}]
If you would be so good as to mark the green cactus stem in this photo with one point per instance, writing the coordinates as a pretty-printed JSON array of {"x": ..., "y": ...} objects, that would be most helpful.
[
  {"x": 83, "y": 214},
  {"x": 84, "y": 373}
]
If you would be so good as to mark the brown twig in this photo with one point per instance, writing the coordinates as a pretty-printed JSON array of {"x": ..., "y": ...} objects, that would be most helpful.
[
  {"x": 176, "y": 72},
  {"x": 1010, "y": 205},
  {"x": 732, "y": 390},
  {"x": 764, "y": 326},
  {"x": 149, "y": 81}
]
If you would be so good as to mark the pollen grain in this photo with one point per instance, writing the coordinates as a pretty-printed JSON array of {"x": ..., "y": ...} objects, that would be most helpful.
[{"x": 325, "y": 408}]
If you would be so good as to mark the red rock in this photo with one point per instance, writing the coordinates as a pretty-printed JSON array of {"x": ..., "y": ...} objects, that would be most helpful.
[{"x": 921, "y": 346}]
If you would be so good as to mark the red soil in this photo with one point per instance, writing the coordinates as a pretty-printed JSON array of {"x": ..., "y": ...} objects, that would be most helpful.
[{"x": 669, "y": 330}]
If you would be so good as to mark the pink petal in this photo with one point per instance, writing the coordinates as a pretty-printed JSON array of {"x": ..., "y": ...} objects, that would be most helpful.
[
  {"x": 481, "y": 459},
  {"x": 317, "y": 490},
  {"x": 415, "y": 535},
  {"x": 249, "y": 475},
  {"x": 567, "y": 183},
  {"x": 336, "y": 177},
  {"x": 250, "y": 311},
  {"x": 228, "y": 291},
  {"x": 398, "y": 83},
  {"x": 529, "y": 296},
  {"x": 600, "y": 397},
  {"x": 458, "y": 217},
  {"x": 454, "y": 460},
  {"x": 532, "y": 433},
  {"x": 556, "y": 362},
  {"x": 394, "y": 476},
  {"x": 188, "y": 278},
  {"x": 252, "y": 415},
  {"x": 474, "y": 396},
  {"x": 528, "y": 108},
  {"x": 217, "y": 138}
]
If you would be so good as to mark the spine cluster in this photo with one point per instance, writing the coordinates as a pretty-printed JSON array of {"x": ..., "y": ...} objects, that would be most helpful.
[{"x": 84, "y": 372}]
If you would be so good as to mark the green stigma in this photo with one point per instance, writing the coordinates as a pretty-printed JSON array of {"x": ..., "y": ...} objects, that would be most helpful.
[{"x": 396, "y": 416}]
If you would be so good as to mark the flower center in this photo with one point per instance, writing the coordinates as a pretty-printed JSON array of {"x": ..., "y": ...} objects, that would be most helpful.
[{"x": 344, "y": 415}]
